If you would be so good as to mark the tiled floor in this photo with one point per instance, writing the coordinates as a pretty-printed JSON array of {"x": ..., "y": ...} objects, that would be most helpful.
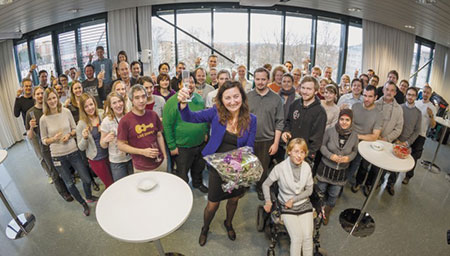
[{"x": 413, "y": 222}]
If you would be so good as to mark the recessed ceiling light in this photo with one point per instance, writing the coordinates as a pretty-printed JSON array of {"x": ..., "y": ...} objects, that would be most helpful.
[
  {"x": 354, "y": 9},
  {"x": 410, "y": 27},
  {"x": 426, "y": 2},
  {"x": 74, "y": 10}
]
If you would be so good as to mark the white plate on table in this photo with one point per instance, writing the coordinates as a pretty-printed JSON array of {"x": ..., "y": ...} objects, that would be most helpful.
[
  {"x": 146, "y": 184},
  {"x": 377, "y": 146}
]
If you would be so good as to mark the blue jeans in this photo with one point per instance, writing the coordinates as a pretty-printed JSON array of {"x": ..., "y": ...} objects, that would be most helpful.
[
  {"x": 354, "y": 166},
  {"x": 330, "y": 192},
  {"x": 63, "y": 164},
  {"x": 120, "y": 170}
]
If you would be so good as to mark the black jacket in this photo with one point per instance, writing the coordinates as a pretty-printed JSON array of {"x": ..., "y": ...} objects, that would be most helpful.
[{"x": 307, "y": 123}]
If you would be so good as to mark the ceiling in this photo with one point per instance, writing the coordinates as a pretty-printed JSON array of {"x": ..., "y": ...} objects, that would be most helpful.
[{"x": 430, "y": 22}]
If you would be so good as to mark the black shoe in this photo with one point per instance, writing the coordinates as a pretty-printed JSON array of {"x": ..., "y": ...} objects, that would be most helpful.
[
  {"x": 68, "y": 197},
  {"x": 92, "y": 199},
  {"x": 260, "y": 194},
  {"x": 405, "y": 180},
  {"x": 86, "y": 210},
  {"x": 230, "y": 231},
  {"x": 390, "y": 190},
  {"x": 355, "y": 188},
  {"x": 203, "y": 236},
  {"x": 366, "y": 190},
  {"x": 202, "y": 188}
]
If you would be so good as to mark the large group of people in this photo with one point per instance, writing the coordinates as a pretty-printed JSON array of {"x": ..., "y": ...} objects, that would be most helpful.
[{"x": 303, "y": 127}]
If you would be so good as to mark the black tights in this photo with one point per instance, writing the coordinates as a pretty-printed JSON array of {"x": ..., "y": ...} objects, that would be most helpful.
[{"x": 211, "y": 209}]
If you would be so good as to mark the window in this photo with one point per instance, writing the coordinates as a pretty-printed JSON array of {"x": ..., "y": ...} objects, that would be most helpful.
[
  {"x": 23, "y": 59},
  {"x": 328, "y": 45},
  {"x": 231, "y": 37},
  {"x": 425, "y": 56},
  {"x": 265, "y": 39},
  {"x": 354, "y": 50},
  {"x": 67, "y": 50},
  {"x": 43, "y": 54},
  {"x": 92, "y": 34},
  {"x": 199, "y": 25},
  {"x": 163, "y": 40},
  {"x": 414, "y": 63},
  {"x": 298, "y": 39}
]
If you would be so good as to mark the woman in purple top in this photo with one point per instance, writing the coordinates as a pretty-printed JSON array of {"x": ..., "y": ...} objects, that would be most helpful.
[
  {"x": 164, "y": 89},
  {"x": 232, "y": 126}
]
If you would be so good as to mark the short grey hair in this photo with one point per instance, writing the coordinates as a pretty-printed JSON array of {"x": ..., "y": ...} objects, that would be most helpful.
[{"x": 137, "y": 87}]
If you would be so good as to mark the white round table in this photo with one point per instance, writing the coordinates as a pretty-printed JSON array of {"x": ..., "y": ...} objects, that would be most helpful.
[
  {"x": 131, "y": 215},
  {"x": 427, "y": 164},
  {"x": 385, "y": 160},
  {"x": 20, "y": 225}
]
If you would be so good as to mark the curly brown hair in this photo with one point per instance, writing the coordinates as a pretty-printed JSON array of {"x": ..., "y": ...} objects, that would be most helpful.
[{"x": 244, "y": 112}]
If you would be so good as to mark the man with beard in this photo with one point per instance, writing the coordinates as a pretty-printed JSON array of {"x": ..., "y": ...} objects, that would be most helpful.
[
  {"x": 94, "y": 85},
  {"x": 307, "y": 118},
  {"x": 25, "y": 101},
  {"x": 135, "y": 72},
  {"x": 266, "y": 105},
  {"x": 392, "y": 77}
]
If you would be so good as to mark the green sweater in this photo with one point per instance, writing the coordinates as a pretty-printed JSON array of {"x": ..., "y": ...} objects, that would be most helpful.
[{"x": 179, "y": 133}]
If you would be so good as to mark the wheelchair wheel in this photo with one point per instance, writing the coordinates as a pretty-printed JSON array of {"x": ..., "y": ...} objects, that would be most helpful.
[{"x": 260, "y": 220}]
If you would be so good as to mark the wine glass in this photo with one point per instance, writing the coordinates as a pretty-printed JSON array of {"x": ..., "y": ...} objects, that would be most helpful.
[
  {"x": 156, "y": 146},
  {"x": 185, "y": 79},
  {"x": 33, "y": 116}
]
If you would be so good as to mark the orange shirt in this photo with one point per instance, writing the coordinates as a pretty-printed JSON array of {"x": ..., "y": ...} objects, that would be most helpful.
[{"x": 274, "y": 87}]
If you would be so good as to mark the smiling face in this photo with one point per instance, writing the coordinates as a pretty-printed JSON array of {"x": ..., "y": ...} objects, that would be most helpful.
[
  {"x": 329, "y": 96},
  {"x": 213, "y": 75},
  {"x": 287, "y": 83},
  {"x": 77, "y": 89},
  {"x": 122, "y": 57},
  {"x": 117, "y": 106},
  {"x": 200, "y": 75},
  {"x": 345, "y": 122},
  {"x": 328, "y": 73},
  {"x": 223, "y": 77},
  {"x": 403, "y": 87},
  {"x": 43, "y": 78},
  {"x": 232, "y": 99},
  {"x": 411, "y": 96},
  {"x": 38, "y": 95},
  {"x": 297, "y": 154},
  {"x": 389, "y": 91},
  {"x": 297, "y": 75},
  {"x": 124, "y": 70},
  {"x": 241, "y": 72},
  {"x": 89, "y": 107},
  {"x": 164, "y": 83},
  {"x": 369, "y": 98},
  {"x": 164, "y": 69},
  {"x": 212, "y": 62},
  {"x": 120, "y": 89},
  {"x": 27, "y": 88},
  {"x": 307, "y": 91},
  {"x": 288, "y": 66},
  {"x": 261, "y": 80},
  {"x": 180, "y": 68},
  {"x": 356, "y": 88},
  {"x": 393, "y": 78},
  {"x": 136, "y": 70},
  {"x": 100, "y": 53},
  {"x": 149, "y": 87},
  {"x": 278, "y": 77},
  {"x": 89, "y": 72},
  {"x": 52, "y": 101},
  {"x": 139, "y": 100}
]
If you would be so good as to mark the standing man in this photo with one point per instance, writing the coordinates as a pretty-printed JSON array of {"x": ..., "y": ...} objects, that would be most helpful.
[
  {"x": 222, "y": 77},
  {"x": 25, "y": 101},
  {"x": 33, "y": 116},
  {"x": 186, "y": 140},
  {"x": 328, "y": 73},
  {"x": 124, "y": 71},
  {"x": 289, "y": 66},
  {"x": 393, "y": 77},
  {"x": 176, "y": 80},
  {"x": 102, "y": 64},
  {"x": 43, "y": 79},
  {"x": 266, "y": 105},
  {"x": 135, "y": 72},
  {"x": 94, "y": 85},
  {"x": 306, "y": 118},
  {"x": 392, "y": 128},
  {"x": 212, "y": 63},
  {"x": 201, "y": 87},
  {"x": 374, "y": 81},
  {"x": 367, "y": 123},
  {"x": 140, "y": 134},
  {"x": 428, "y": 113},
  {"x": 347, "y": 100},
  {"x": 411, "y": 130}
]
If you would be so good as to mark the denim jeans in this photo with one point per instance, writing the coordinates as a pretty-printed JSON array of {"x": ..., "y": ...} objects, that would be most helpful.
[
  {"x": 120, "y": 170},
  {"x": 63, "y": 164},
  {"x": 330, "y": 192}
]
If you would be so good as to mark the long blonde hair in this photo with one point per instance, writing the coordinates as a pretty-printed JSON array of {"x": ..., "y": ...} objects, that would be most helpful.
[
  {"x": 83, "y": 115},
  {"x": 107, "y": 106},
  {"x": 73, "y": 99}
]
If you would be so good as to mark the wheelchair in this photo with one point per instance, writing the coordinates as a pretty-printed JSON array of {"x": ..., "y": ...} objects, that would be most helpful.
[{"x": 273, "y": 226}]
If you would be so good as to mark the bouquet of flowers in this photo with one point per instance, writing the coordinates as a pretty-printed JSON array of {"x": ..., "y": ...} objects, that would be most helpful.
[{"x": 237, "y": 168}]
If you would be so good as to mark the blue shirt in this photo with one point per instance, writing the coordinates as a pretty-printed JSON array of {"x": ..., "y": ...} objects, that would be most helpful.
[{"x": 108, "y": 69}]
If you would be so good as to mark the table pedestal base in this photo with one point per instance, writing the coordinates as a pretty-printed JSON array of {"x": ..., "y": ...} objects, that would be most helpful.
[
  {"x": 365, "y": 227},
  {"x": 161, "y": 250},
  {"x": 14, "y": 231},
  {"x": 430, "y": 166}
]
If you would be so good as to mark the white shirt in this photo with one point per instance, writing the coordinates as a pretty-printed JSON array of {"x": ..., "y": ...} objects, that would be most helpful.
[
  {"x": 210, "y": 99},
  {"x": 425, "y": 118},
  {"x": 349, "y": 100}
]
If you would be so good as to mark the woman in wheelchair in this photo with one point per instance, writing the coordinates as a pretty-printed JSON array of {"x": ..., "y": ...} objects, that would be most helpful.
[
  {"x": 339, "y": 148},
  {"x": 295, "y": 184}
]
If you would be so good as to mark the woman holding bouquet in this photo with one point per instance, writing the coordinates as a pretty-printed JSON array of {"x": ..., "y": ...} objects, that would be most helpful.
[
  {"x": 295, "y": 185},
  {"x": 232, "y": 126}
]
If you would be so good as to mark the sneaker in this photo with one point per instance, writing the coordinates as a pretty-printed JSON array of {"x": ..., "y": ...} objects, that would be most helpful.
[
  {"x": 355, "y": 188},
  {"x": 405, "y": 180},
  {"x": 93, "y": 199},
  {"x": 86, "y": 210}
]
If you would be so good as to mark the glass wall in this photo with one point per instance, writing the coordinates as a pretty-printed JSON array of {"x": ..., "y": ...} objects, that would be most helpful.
[
  {"x": 298, "y": 39},
  {"x": 163, "y": 40},
  {"x": 23, "y": 59},
  {"x": 265, "y": 39},
  {"x": 198, "y": 24},
  {"x": 67, "y": 50},
  {"x": 354, "y": 50},
  {"x": 92, "y": 34},
  {"x": 231, "y": 36},
  {"x": 423, "y": 53},
  {"x": 328, "y": 45},
  {"x": 43, "y": 54}
]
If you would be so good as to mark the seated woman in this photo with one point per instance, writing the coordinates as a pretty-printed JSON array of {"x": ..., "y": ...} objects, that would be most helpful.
[
  {"x": 232, "y": 126},
  {"x": 339, "y": 147},
  {"x": 295, "y": 185}
]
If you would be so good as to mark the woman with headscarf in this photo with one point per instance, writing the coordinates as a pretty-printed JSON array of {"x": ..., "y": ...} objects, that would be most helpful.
[{"x": 339, "y": 147}]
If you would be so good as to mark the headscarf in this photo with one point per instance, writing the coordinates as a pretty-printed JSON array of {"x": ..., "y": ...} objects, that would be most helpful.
[{"x": 339, "y": 129}]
